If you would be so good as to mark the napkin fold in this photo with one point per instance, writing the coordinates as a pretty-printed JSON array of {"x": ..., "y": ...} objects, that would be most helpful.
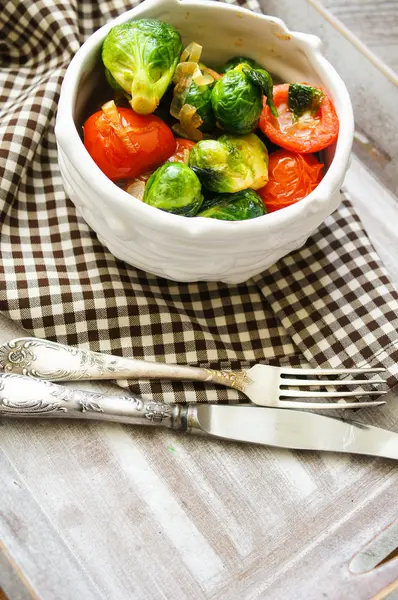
[{"x": 328, "y": 304}]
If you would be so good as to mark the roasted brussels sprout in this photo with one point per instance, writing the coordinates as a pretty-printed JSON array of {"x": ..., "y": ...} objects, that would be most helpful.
[
  {"x": 141, "y": 56},
  {"x": 235, "y": 61},
  {"x": 263, "y": 80},
  {"x": 231, "y": 163},
  {"x": 240, "y": 206},
  {"x": 237, "y": 98},
  {"x": 112, "y": 82},
  {"x": 200, "y": 98},
  {"x": 174, "y": 188},
  {"x": 302, "y": 99}
]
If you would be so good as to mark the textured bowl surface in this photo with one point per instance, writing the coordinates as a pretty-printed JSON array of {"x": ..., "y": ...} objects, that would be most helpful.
[{"x": 196, "y": 249}]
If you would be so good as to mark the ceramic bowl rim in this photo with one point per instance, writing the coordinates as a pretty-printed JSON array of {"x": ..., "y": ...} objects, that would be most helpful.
[{"x": 71, "y": 144}]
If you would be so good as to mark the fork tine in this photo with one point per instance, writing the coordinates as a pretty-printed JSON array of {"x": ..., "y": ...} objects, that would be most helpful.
[
  {"x": 327, "y": 405},
  {"x": 309, "y": 382},
  {"x": 302, "y": 394},
  {"x": 294, "y": 371}
]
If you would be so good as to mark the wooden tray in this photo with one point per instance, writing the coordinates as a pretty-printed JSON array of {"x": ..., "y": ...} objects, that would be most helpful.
[{"x": 92, "y": 511}]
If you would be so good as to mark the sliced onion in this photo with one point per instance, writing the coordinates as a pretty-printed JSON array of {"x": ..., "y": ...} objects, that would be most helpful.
[
  {"x": 213, "y": 74},
  {"x": 122, "y": 131},
  {"x": 182, "y": 79},
  {"x": 110, "y": 110},
  {"x": 136, "y": 187},
  {"x": 183, "y": 70},
  {"x": 190, "y": 122},
  {"x": 192, "y": 52},
  {"x": 202, "y": 79},
  {"x": 180, "y": 132},
  {"x": 176, "y": 105}
]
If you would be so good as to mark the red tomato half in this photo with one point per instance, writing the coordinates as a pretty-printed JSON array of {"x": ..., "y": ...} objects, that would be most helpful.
[
  {"x": 307, "y": 134},
  {"x": 180, "y": 153},
  {"x": 151, "y": 142},
  {"x": 291, "y": 178}
]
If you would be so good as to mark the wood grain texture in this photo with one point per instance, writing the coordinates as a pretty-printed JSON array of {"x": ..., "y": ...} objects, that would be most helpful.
[{"x": 375, "y": 22}]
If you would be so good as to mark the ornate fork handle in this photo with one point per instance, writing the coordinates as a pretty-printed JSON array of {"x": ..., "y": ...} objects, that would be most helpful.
[
  {"x": 55, "y": 362},
  {"x": 22, "y": 396}
]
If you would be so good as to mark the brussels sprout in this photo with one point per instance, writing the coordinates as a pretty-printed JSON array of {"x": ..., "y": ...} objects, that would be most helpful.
[
  {"x": 237, "y": 102},
  {"x": 200, "y": 98},
  {"x": 231, "y": 163},
  {"x": 240, "y": 206},
  {"x": 238, "y": 60},
  {"x": 175, "y": 188},
  {"x": 141, "y": 56},
  {"x": 302, "y": 99},
  {"x": 237, "y": 98}
]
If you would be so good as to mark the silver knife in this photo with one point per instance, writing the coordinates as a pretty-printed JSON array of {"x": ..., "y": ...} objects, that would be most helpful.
[{"x": 22, "y": 396}]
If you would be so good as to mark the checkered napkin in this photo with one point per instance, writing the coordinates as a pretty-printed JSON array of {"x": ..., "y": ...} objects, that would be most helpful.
[{"x": 330, "y": 303}]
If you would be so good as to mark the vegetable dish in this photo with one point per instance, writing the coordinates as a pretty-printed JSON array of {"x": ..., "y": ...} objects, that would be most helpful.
[{"x": 204, "y": 141}]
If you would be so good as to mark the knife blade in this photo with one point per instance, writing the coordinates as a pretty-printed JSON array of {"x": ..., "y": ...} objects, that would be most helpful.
[
  {"x": 294, "y": 429},
  {"x": 22, "y": 396}
]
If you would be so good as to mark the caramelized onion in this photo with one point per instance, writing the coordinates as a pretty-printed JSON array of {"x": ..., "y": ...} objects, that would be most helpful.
[
  {"x": 192, "y": 52},
  {"x": 122, "y": 131},
  {"x": 202, "y": 78}
]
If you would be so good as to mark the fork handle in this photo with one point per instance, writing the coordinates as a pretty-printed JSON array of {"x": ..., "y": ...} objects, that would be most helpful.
[
  {"x": 51, "y": 361},
  {"x": 24, "y": 397}
]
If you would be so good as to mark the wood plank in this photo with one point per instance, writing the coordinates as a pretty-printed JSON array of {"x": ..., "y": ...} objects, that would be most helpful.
[
  {"x": 13, "y": 585},
  {"x": 375, "y": 23},
  {"x": 37, "y": 550}
]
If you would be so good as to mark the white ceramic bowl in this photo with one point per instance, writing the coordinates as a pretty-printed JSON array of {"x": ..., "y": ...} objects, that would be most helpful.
[{"x": 196, "y": 249}]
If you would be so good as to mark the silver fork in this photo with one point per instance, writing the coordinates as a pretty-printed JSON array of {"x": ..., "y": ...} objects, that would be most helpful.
[{"x": 262, "y": 384}]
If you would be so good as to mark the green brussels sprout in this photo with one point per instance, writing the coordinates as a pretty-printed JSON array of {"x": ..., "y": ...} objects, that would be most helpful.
[
  {"x": 263, "y": 79},
  {"x": 200, "y": 98},
  {"x": 237, "y": 103},
  {"x": 112, "y": 82},
  {"x": 235, "y": 61},
  {"x": 302, "y": 99},
  {"x": 239, "y": 206},
  {"x": 120, "y": 97},
  {"x": 174, "y": 188},
  {"x": 237, "y": 98},
  {"x": 231, "y": 163},
  {"x": 142, "y": 56}
]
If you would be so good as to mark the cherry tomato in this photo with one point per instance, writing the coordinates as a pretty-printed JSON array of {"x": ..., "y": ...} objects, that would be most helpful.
[
  {"x": 291, "y": 178},
  {"x": 150, "y": 143},
  {"x": 182, "y": 145},
  {"x": 307, "y": 134}
]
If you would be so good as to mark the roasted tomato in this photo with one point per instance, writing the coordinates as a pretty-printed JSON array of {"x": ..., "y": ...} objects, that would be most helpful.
[
  {"x": 291, "y": 177},
  {"x": 183, "y": 148},
  {"x": 307, "y": 133},
  {"x": 124, "y": 144}
]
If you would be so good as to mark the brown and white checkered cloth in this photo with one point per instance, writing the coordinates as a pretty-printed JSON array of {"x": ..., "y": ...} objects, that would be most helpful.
[{"x": 330, "y": 303}]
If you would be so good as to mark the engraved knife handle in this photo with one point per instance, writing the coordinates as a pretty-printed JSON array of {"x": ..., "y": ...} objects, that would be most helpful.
[
  {"x": 55, "y": 362},
  {"x": 24, "y": 397}
]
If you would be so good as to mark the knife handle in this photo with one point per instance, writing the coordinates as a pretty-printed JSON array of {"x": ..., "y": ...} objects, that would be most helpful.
[
  {"x": 24, "y": 397},
  {"x": 51, "y": 361}
]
